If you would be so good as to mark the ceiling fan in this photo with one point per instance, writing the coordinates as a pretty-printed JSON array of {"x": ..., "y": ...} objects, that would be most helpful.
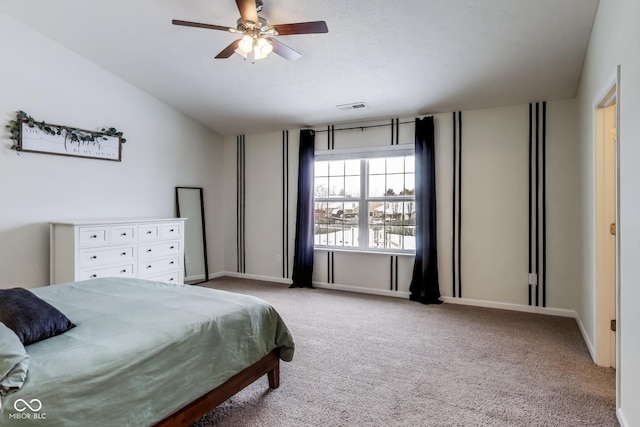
[{"x": 258, "y": 35}]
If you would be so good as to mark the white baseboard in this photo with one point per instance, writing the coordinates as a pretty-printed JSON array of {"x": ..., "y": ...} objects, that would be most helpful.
[
  {"x": 585, "y": 337},
  {"x": 255, "y": 277},
  {"x": 509, "y": 306},
  {"x": 370, "y": 291},
  {"x": 622, "y": 419}
]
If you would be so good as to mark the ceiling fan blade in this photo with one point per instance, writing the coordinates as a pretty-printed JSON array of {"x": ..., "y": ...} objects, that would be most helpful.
[
  {"x": 228, "y": 51},
  {"x": 199, "y": 25},
  {"x": 248, "y": 10},
  {"x": 314, "y": 27},
  {"x": 283, "y": 50}
]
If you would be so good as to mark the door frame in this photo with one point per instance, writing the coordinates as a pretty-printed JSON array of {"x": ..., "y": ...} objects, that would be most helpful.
[{"x": 608, "y": 96}]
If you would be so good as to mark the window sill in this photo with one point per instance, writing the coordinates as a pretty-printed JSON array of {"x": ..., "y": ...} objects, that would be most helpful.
[{"x": 364, "y": 252}]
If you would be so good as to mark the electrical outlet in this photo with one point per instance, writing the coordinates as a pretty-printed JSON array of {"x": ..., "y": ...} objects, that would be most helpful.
[{"x": 278, "y": 258}]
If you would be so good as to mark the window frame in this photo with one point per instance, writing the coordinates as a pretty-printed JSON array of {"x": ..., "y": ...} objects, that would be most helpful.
[{"x": 363, "y": 200}]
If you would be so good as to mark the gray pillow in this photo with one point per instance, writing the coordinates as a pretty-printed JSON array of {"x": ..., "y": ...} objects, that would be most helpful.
[
  {"x": 31, "y": 318},
  {"x": 14, "y": 361}
]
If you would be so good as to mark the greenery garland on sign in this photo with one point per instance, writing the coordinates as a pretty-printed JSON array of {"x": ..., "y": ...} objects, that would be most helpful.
[{"x": 70, "y": 134}]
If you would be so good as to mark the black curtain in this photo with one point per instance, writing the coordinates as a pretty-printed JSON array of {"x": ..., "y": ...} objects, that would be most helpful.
[
  {"x": 424, "y": 286},
  {"x": 303, "y": 252}
]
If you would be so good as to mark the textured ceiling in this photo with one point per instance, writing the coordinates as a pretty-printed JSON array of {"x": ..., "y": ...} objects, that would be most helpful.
[{"x": 400, "y": 58}]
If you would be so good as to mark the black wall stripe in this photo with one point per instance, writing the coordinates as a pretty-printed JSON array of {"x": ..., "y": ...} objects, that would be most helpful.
[
  {"x": 396, "y": 272},
  {"x": 285, "y": 204},
  {"x": 544, "y": 204},
  {"x": 460, "y": 204},
  {"x": 395, "y": 131},
  {"x": 240, "y": 203},
  {"x": 529, "y": 277},
  {"x": 453, "y": 211},
  {"x": 537, "y": 199},
  {"x": 330, "y": 270},
  {"x": 537, "y": 204},
  {"x": 393, "y": 273},
  {"x": 456, "y": 246},
  {"x": 331, "y": 137}
]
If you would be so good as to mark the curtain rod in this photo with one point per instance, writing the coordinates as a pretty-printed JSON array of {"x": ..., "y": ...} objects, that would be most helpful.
[{"x": 365, "y": 127}]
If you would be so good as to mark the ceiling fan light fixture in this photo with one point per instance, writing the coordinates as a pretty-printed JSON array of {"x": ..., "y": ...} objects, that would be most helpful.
[
  {"x": 246, "y": 44},
  {"x": 263, "y": 47}
]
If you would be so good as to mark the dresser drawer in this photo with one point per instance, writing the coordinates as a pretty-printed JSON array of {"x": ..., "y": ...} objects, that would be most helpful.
[
  {"x": 152, "y": 267},
  {"x": 122, "y": 234},
  {"x": 92, "y": 236},
  {"x": 173, "y": 276},
  {"x": 171, "y": 230},
  {"x": 160, "y": 249},
  {"x": 108, "y": 255},
  {"x": 148, "y": 232},
  {"x": 124, "y": 270}
]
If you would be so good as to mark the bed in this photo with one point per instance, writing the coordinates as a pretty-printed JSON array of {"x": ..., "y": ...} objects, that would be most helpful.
[{"x": 145, "y": 353}]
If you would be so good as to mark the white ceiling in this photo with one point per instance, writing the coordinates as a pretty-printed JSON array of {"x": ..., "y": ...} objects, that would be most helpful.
[{"x": 401, "y": 58}]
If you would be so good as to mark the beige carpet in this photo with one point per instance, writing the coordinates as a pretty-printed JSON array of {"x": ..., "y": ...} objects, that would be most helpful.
[{"x": 365, "y": 360}]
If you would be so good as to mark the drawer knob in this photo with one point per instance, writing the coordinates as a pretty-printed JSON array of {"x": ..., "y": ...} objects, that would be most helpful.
[
  {"x": 148, "y": 250},
  {"x": 172, "y": 247},
  {"x": 171, "y": 263},
  {"x": 171, "y": 279},
  {"x": 171, "y": 231},
  {"x": 93, "y": 276},
  {"x": 123, "y": 234},
  {"x": 123, "y": 254},
  {"x": 148, "y": 266},
  {"x": 123, "y": 271},
  {"x": 149, "y": 232},
  {"x": 94, "y": 257},
  {"x": 94, "y": 236}
]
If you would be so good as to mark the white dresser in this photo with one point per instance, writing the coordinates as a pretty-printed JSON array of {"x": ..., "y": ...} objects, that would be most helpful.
[{"x": 150, "y": 249}]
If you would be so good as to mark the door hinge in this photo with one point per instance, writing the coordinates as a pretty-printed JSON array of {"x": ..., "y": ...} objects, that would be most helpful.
[
  {"x": 612, "y": 228},
  {"x": 613, "y": 325}
]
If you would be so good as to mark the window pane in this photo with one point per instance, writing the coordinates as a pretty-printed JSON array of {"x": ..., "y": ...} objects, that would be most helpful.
[
  {"x": 395, "y": 164},
  {"x": 376, "y": 185},
  {"x": 336, "y": 224},
  {"x": 409, "y": 184},
  {"x": 336, "y": 186},
  {"x": 352, "y": 186},
  {"x": 336, "y": 168},
  {"x": 376, "y": 166},
  {"x": 321, "y": 187},
  {"x": 392, "y": 225},
  {"x": 352, "y": 167},
  {"x": 395, "y": 184},
  {"x": 410, "y": 164},
  {"x": 321, "y": 168}
]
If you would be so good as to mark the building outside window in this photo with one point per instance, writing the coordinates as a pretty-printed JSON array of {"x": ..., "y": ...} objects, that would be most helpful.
[{"x": 365, "y": 203}]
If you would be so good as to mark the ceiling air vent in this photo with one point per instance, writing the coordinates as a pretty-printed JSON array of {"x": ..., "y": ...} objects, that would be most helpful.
[{"x": 354, "y": 106}]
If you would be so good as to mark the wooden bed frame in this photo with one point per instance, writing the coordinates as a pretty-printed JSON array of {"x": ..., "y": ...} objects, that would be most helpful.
[{"x": 269, "y": 364}]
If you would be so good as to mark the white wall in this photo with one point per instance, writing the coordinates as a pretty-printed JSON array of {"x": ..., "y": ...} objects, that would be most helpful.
[
  {"x": 164, "y": 149},
  {"x": 614, "y": 41},
  {"x": 494, "y": 200}
]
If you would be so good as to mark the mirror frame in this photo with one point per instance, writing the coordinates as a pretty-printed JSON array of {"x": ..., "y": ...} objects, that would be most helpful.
[{"x": 204, "y": 232}]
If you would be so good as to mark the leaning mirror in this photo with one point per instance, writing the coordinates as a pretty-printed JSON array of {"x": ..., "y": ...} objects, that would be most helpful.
[{"x": 190, "y": 205}]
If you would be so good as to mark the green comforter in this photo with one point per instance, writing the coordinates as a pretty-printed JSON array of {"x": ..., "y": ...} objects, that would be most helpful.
[{"x": 141, "y": 350}]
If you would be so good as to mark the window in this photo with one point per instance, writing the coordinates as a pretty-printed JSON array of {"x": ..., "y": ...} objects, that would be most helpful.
[{"x": 365, "y": 203}]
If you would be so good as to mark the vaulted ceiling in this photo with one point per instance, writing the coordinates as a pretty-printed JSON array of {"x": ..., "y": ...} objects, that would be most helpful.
[{"x": 400, "y": 58}]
